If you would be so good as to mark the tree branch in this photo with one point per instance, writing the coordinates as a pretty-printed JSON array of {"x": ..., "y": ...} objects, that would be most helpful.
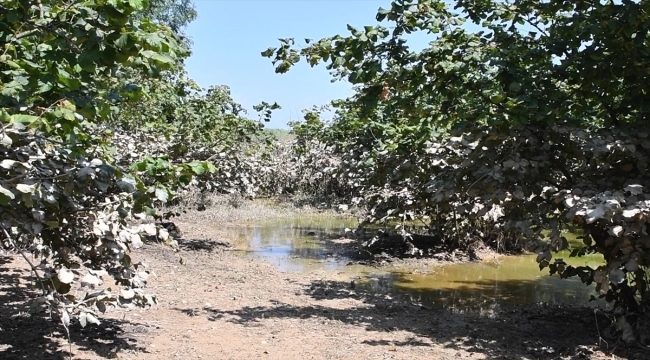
[{"x": 31, "y": 265}]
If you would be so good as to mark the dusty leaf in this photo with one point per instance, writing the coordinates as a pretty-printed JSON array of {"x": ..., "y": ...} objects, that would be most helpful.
[
  {"x": 127, "y": 185},
  {"x": 65, "y": 276},
  {"x": 5, "y": 140},
  {"x": 617, "y": 276},
  {"x": 634, "y": 189},
  {"x": 518, "y": 194},
  {"x": 163, "y": 234},
  {"x": 544, "y": 255},
  {"x": 127, "y": 294},
  {"x": 82, "y": 319},
  {"x": 6, "y": 192},
  {"x": 162, "y": 195},
  {"x": 631, "y": 265},
  {"x": 149, "y": 229},
  {"x": 616, "y": 230},
  {"x": 90, "y": 280},
  {"x": 7, "y": 164},
  {"x": 92, "y": 319},
  {"x": 136, "y": 241},
  {"x": 631, "y": 213},
  {"x": 26, "y": 189},
  {"x": 595, "y": 214}
]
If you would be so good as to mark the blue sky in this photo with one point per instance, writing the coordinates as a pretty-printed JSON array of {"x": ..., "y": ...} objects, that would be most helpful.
[{"x": 230, "y": 34}]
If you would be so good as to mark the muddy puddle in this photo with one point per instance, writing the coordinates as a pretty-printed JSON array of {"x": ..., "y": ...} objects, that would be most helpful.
[{"x": 304, "y": 244}]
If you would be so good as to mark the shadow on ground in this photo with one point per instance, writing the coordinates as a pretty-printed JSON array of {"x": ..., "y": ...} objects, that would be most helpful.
[
  {"x": 532, "y": 331},
  {"x": 202, "y": 244},
  {"x": 37, "y": 334}
]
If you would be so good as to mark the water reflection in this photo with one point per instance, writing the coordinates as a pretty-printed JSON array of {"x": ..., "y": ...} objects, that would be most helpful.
[
  {"x": 294, "y": 244},
  {"x": 513, "y": 280},
  {"x": 301, "y": 245}
]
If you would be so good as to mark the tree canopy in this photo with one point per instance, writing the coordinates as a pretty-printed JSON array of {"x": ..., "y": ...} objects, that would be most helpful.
[
  {"x": 63, "y": 196},
  {"x": 508, "y": 135},
  {"x": 533, "y": 122},
  {"x": 177, "y": 14}
]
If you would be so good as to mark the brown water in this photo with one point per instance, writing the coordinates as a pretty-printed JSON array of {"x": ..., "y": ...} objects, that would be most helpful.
[{"x": 299, "y": 245}]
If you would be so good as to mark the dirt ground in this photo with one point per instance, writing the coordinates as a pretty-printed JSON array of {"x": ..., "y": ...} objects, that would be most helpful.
[{"x": 223, "y": 304}]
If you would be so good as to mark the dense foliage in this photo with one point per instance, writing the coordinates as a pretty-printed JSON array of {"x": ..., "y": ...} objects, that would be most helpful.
[
  {"x": 177, "y": 14},
  {"x": 534, "y": 122},
  {"x": 176, "y": 120},
  {"x": 63, "y": 196},
  {"x": 506, "y": 135},
  {"x": 101, "y": 126}
]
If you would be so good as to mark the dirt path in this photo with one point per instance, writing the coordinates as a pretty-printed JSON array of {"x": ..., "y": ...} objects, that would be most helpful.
[{"x": 228, "y": 305}]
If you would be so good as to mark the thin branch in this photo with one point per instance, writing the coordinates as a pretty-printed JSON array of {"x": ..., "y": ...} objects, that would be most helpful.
[
  {"x": 40, "y": 280},
  {"x": 25, "y": 34},
  {"x": 536, "y": 26},
  {"x": 38, "y": 179},
  {"x": 15, "y": 178},
  {"x": 40, "y": 8},
  {"x": 31, "y": 265},
  {"x": 490, "y": 172}
]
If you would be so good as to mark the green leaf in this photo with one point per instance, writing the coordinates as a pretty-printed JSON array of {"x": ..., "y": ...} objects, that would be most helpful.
[
  {"x": 162, "y": 58},
  {"x": 515, "y": 86},
  {"x": 4, "y": 116},
  {"x": 52, "y": 224},
  {"x": 44, "y": 87},
  {"x": 68, "y": 115},
  {"x": 23, "y": 119},
  {"x": 198, "y": 168},
  {"x": 139, "y": 5},
  {"x": 268, "y": 52},
  {"x": 497, "y": 99},
  {"x": 123, "y": 41},
  {"x": 13, "y": 64}
]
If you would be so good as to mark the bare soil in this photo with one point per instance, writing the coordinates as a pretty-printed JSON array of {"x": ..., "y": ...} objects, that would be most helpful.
[{"x": 223, "y": 304}]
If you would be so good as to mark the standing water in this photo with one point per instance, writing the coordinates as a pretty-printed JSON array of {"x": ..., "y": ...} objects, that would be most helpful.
[{"x": 299, "y": 244}]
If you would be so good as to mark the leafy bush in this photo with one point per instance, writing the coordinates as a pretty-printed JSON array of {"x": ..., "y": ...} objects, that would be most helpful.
[
  {"x": 63, "y": 196},
  {"x": 534, "y": 123},
  {"x": 100, "y": 128}
]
